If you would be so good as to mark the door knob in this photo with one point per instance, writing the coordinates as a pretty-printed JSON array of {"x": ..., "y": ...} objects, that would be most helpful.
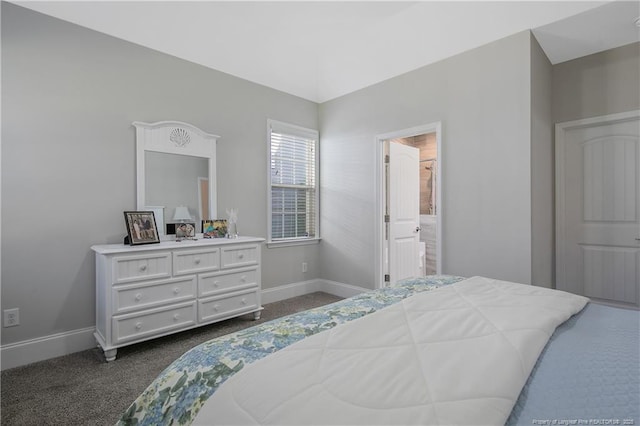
[{"x": 418, "y": 229}]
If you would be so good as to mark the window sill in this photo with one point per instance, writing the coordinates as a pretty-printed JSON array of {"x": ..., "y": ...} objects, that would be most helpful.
[{"x": 291, "y": 243}]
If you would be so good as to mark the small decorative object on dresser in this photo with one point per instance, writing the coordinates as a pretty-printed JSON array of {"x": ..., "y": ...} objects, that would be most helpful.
[
  {"x": 185, "y": 230},
  {"x": 146, "y": 292},
  {"x": 214, "y": 228},
  {"x": 181, "y": 230},
  {"x": 141, "y": 227},
  {"x": 232, "y": 231}
]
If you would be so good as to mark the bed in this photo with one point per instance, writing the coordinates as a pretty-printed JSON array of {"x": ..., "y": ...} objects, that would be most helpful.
[{"x": 587, "y": 372}]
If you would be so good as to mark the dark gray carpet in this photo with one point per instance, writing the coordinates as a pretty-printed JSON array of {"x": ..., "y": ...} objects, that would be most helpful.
[{"x": 83, "y": 389}]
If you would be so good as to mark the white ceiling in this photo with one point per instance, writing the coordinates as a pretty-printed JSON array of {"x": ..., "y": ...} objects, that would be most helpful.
[{"x": 324, "y": 49}]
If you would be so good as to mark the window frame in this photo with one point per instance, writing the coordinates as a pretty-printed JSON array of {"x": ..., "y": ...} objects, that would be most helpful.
[{"x": 294, "y": 130}]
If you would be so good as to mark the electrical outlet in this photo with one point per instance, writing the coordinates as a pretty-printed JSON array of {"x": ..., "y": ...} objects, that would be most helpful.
[
  {"x": 11, "y": 317},
  {"x": 304, "y": 267}
]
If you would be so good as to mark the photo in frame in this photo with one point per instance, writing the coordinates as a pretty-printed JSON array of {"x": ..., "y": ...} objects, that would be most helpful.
[
  {"x": 216, "y": 228},
  {"x": 141, "y": 227},
  {"x": 180, "y": 229},
  {"x": 185, "y": 230}
]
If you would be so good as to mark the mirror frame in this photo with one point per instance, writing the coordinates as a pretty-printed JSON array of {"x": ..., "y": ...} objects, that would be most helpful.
[{"x": 175, "y": 137}]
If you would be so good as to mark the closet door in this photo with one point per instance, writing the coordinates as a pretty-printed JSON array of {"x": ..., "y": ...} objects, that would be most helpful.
[{"x": 598, "y": 202}]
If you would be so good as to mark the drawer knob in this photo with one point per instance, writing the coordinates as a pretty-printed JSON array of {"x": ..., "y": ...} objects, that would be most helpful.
[
  {"x": 176, "y": 290},
  {"x": 138, "y": 325},
  {"x": 243, "y": 278},
  {"x": 244, "y": 301},
  {"x": 143, "y": 268},
  {"x": 176, "y": 317},
  {"x": 215, "y": 307},
  {"x": 216, "y": 284},
  {"x": 138, "y": 297},
  {"x": 240, "y": 255},
  {"x": 197, "y": 260}
]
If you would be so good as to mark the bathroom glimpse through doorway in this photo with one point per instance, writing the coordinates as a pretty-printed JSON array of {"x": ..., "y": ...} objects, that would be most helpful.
[{"x": 420, "y": 218}]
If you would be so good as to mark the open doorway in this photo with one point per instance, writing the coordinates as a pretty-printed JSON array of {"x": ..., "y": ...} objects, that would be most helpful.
[{"x": 409, "y": 194}]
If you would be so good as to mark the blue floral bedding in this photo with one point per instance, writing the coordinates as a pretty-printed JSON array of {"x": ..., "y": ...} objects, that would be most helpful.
[{"x": 178, "y": 393}]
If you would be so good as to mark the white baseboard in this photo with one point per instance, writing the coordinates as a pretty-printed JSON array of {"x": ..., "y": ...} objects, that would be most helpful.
[
  {"x": 288, "y": 291},
  {"x": 341, "y": 289},
  {"x": 42, "y": 348}
]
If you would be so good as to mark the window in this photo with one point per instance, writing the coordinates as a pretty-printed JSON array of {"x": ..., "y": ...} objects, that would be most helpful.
[{"x": 293, "y": 183}]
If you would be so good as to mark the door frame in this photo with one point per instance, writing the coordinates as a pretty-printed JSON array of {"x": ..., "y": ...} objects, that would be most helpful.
[
  {"x": 380, "y": 189},
  {"x": 561, "y": 129}
]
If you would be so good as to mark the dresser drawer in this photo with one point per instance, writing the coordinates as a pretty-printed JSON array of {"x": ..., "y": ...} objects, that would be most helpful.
[
  {"x": 238, "y": 256},
  {"x": 153, "y": 322},
  {"x": 227, "y": 306},
  {"x": 220, "y": 282},
  {"x": 155, "y": 293},
  {"x": 189, "y": 262},
  {"x": 141, "y": 267}
]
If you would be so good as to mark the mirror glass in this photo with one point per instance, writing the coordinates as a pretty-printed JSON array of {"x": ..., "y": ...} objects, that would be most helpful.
[{"x": 173, "y": 180}]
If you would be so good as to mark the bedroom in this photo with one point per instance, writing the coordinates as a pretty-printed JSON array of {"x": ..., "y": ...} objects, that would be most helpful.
[{"x": 71, "y": 94}]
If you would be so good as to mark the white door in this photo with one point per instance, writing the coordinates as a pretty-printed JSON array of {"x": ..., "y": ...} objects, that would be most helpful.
[
  {"x": 404, "y": 211},
  {"x": 599, "y": 207}
]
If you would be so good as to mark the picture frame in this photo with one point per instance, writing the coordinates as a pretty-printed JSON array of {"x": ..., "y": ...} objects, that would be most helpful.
[
  {"x": 180, "y": 231},
  {"x": 216, "y": 228},
  {"x": 185, "y": 230},
  {"x": 141, "y": 227}
]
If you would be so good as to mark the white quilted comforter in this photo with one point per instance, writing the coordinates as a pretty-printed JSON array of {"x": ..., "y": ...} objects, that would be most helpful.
[{"x": 456, "y": 355}]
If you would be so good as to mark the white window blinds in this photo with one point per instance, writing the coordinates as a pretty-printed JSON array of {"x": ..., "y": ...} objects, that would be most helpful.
[{"x": 293, "y": 182}]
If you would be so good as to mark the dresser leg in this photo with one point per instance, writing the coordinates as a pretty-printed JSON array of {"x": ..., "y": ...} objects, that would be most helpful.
[
  {"x": 110, "y": 355},
  {"x": 256, "y": 315}
]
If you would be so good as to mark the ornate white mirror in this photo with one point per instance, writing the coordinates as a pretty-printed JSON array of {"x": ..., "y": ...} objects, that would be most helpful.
[{"x": 176, "y": 169}]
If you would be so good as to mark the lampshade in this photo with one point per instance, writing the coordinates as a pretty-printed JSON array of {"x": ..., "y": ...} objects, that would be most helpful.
[{"x": 181, "y": 214}]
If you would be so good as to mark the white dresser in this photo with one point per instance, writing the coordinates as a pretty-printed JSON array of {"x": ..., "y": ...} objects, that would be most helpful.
[{"x": 148, "y": 291}]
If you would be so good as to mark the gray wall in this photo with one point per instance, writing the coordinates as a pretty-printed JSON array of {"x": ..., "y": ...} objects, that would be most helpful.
[
  {"x": 603, "y": 83},
  {"x": 482, "y": 98},
  {"x": 542, "y": 171},
  {"x": 69, "y": 96}
]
